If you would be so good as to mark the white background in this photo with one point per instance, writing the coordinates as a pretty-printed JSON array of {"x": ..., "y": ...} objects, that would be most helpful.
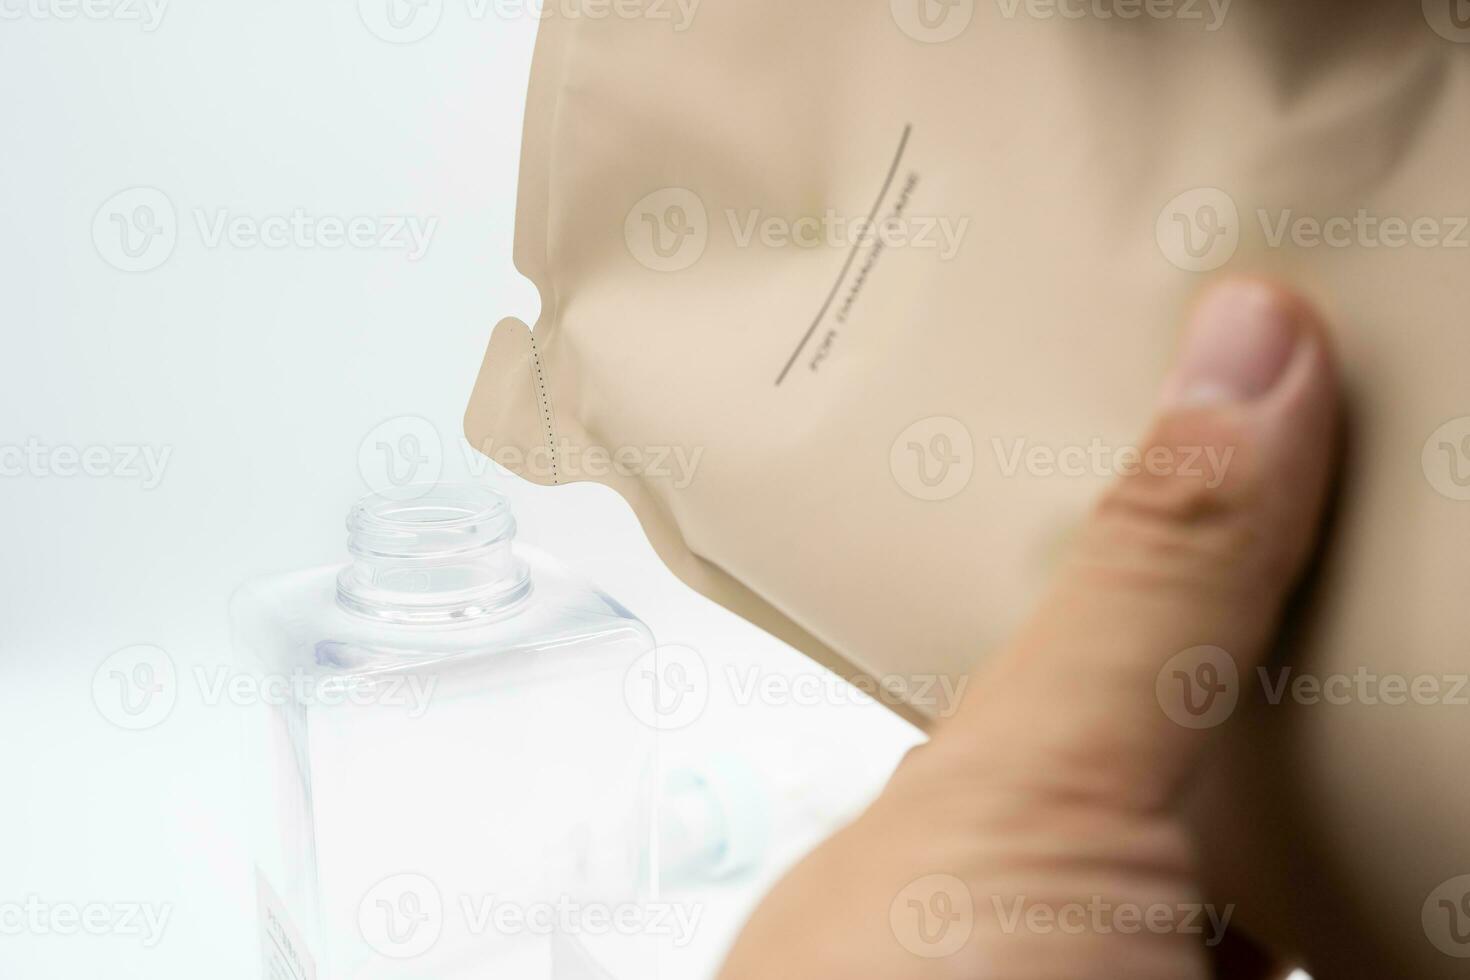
[{"x": 261, "y": 371}]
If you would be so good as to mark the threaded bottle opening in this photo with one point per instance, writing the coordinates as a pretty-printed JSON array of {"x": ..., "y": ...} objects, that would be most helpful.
[{"x": 440, "y": 555}]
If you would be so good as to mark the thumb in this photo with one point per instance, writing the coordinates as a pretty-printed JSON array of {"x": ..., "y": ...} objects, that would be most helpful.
[{"x": 1175, "y": 589}]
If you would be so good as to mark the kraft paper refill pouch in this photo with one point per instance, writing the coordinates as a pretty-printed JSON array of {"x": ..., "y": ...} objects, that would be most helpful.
[{"x": 833, "y": 427}]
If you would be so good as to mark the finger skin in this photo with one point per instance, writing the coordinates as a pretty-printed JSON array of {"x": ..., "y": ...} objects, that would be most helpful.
[
  {"x": 1055, "y": 786},
  {"x": 1170, "y": 561}
]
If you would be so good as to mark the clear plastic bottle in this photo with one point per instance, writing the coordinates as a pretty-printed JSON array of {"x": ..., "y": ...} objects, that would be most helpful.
[{"x": 450, "y": 781}]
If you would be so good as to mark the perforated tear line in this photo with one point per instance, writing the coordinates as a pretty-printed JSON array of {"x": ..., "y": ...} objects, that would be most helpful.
[{"x": 543, "y": 401}]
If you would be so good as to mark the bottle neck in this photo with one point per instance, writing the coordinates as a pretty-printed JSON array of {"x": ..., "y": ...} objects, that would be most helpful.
[{"x": 444, "y": 558}]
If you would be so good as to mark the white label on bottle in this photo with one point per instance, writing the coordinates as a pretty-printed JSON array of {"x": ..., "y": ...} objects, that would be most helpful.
[{"x": 282, "y": 947}]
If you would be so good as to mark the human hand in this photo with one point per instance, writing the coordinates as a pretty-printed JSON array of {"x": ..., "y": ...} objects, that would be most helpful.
[{"x": 1039, "y": 834}]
